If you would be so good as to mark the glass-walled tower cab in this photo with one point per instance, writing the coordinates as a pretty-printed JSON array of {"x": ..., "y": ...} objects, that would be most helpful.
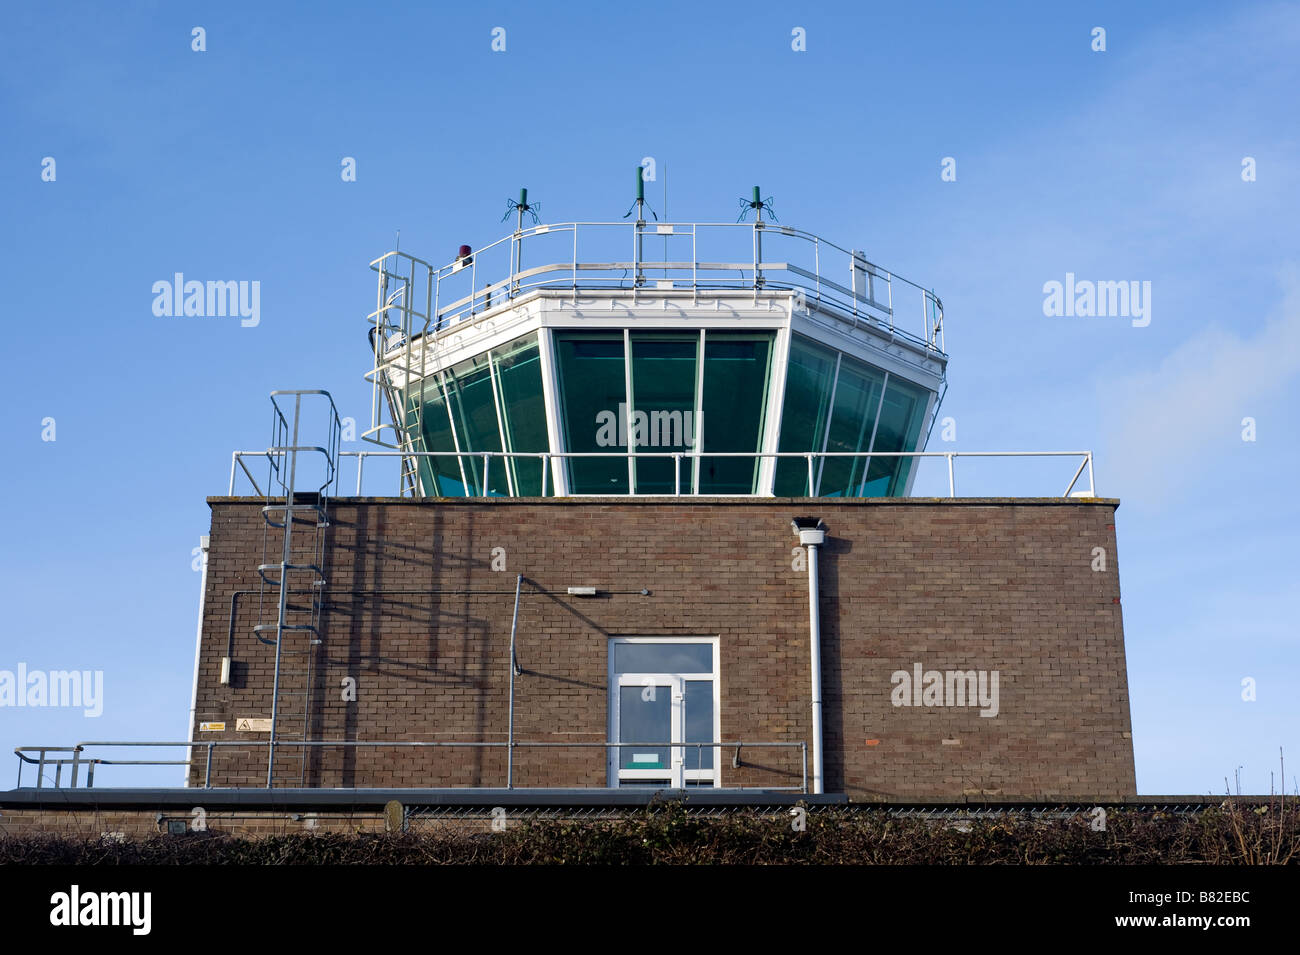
[{"x": 743, "y": 378}]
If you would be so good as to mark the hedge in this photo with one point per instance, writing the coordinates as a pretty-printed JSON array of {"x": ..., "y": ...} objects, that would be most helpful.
[{"x": 669, "y": 835}]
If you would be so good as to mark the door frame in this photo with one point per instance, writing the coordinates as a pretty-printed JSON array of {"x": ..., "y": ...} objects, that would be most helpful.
[{"x": 677, "y": 774}]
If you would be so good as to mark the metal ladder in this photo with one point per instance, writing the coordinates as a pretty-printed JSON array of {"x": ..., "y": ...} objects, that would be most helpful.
[
  {"x": 292, "y": 574},
  {"x": 396, "y": 293}
]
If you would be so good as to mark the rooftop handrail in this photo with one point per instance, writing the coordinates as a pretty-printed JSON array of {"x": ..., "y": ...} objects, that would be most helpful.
[
  {"x": 1084, "y": 458},
  {"x": 282, "y": 455},
  {"x": 76, "y": 761},
  {"x": 842, "y": 279}
]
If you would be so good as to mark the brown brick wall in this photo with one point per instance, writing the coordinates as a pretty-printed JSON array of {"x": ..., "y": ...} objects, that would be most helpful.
[{"x": 952, "y": 585}]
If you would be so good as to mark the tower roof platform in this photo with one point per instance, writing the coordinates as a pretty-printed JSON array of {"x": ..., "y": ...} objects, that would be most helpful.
[{"x": 650, "y": 358}]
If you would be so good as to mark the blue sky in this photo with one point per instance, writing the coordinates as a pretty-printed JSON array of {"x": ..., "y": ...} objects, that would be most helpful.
[{"x": 1116, "y": 165}]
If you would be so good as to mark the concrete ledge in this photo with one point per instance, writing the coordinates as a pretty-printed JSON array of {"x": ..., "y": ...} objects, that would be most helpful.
[
  {"x": 217, "y": 799},
  {"x": 688, "y": 500},
  {"x": 374, "y": 799}
]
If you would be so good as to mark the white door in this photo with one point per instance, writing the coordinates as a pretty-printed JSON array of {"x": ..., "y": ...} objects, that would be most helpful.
[
  {"x": 647, "y": 716},
  {"x": 665, "y": 722}
]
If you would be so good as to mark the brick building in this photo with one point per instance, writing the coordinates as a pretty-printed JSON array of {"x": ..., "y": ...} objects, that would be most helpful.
[
  {"x": 650, "y": 525},
  {"x": 418, "y": 617},
  {"x": 654, "y": 529}
]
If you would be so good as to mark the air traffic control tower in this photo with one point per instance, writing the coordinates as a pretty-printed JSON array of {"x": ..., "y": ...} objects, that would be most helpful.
[
  {"x": 643, "y": 520},
  {"x": 652, "y": 527},
  {"x": 654, "y": 358}
]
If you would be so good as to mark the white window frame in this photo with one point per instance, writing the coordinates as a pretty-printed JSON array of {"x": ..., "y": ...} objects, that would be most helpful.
[{"x": 676, "y": 774}]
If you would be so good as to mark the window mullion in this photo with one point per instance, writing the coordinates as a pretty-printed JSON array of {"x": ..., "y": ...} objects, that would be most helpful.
[
  {"x": 880, "y": 407},
  {"x": 631, "y": 411},
  {"x": 699, "y": 413},
  {"x": 826, "y": 433},
  {"x": 455, "y": 437},
  {"x": 677, "y": 754},
  {"x": 506, "y": 446}
]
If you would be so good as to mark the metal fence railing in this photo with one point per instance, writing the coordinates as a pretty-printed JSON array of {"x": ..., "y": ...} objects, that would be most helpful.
[
  {"x": 73, "y": 758},
  {"x": 416, "y": 297},
  {"x": 1082, "y": 474}
]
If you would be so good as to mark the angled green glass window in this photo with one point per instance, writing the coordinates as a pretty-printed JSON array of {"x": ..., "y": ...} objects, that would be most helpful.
[
  {"x": 593, "y": 405},
  {"x": 427, "y": 420},
  {"x": 899, "y": 430},
  {"x": 518, "y": 368},
  {"x": 857, "y": 396},
  {"x": 663, "y": 410},
  {"x": 473, "y": 409},
  {"x": 736, "y": 368},
  {"x": 809, "y": 377}
]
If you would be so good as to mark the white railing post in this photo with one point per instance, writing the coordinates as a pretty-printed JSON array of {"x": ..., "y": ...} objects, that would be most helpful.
[
  {"x": 952, "y": 482},
  {"x": 817, "y": 268}
]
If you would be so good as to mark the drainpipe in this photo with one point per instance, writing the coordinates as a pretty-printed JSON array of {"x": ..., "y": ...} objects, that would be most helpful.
[
  {"x": 514, "y": 672},
  {"x": 198, "y": 647},
  {"x": 812, "y": 534}
]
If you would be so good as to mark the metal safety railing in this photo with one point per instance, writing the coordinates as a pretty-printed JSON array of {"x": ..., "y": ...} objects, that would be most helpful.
[
  {"x": 551, "y": 461},
  {"x": 621, "y": 255},
  {"x": 418, "y": 304},
  {"x": 76, "y": 758},
  {"x": 281, "y": 457}
]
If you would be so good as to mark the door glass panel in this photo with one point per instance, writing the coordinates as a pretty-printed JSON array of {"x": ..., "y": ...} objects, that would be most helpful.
[
  {"x": 663, "y": 658},
  {"x": 698, "y": 703},
  {"x": 644, "y": 715}
]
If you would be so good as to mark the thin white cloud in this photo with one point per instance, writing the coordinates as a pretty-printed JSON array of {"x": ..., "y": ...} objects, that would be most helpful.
[{"x": 1162, "y": 422}]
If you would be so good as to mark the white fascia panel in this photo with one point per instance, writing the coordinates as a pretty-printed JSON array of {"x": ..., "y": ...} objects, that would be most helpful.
[
  {"x": 901, "y": 358},
  {"x": 674, "y": 311},
  {"x": 453, "y": 347}
]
